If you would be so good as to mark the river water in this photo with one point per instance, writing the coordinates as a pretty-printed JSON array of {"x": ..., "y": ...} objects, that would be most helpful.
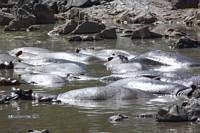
[{"x": 92, "y": 117}]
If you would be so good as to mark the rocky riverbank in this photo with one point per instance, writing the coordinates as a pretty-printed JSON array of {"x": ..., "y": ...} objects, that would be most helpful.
[{"x": 86, "y": 20}]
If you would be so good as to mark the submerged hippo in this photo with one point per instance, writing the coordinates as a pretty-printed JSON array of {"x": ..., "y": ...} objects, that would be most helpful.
[
  {"x": 46, "y": 80},
  {"x": 63, "y": 69},
  {"x": 165, "y": 58},
  {"x": 150, "y": 85},
  {"x": 77, "y": 96},
  {"x": 103, "y": 54},
  {"x": 31, "y": 53}
]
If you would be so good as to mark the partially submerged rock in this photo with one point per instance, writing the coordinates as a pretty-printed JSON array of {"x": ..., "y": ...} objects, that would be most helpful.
[
  {"x": 185, "y": 111},
  {"x": 89, "y": 27},
  {"x": 5, "y": 18},
  {"x": 118, "y": 118},
  {"x": 38, "y": 131},
  {"x": 108, "y": 34},
  {"x": 182, "y": 4},
  {"x": 186, "y": 42},
  {"x": 22, "y": 22},
  {"x": 144, "y": 33}
]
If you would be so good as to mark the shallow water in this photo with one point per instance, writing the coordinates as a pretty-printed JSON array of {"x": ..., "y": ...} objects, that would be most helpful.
[{"x": 90, "y": 117}]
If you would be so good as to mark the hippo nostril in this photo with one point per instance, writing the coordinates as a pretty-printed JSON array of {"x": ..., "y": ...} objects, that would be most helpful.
[{"x": 110, "y": 58}]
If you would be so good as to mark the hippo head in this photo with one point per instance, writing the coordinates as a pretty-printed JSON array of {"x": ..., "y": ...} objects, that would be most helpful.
[{"x": 23, "y": 94}]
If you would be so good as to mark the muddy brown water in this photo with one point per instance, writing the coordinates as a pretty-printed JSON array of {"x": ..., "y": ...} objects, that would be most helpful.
[{"x": 20, "y": 116}]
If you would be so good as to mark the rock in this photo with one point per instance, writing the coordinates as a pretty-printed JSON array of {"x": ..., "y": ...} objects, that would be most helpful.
[
  {"x": 118, "y": 117},
  {"x": 144, "y": 33},
  {"x": 184, "y": 111},
  {"x": 171, "y": 32},
  {"x": 37, "y": 131},
  {"x": 8, "y": 81},
  {"x": 97, "y": 37},
  {"x": 43, "y": 14},
  {"x": 75, "y": 38},
  {"x": 108, "y": 34},
  {"x": 22, "y": 22},
  {"x": 33, "y": 28},
  {"x": 5, "y": 18},
  {"x": 81, "y": 38},
  {"x": 89, "y": 27},
  {"x": 186, "y": 42},
  {"x": 181, "y": 4},
  {"x": 3, "y": 1},
  {"x": 125, "y": 17},
  {"x": 87, "y": 38},
  {"x": 65, "y": 28},
  {"x": 147, "y": 18}
]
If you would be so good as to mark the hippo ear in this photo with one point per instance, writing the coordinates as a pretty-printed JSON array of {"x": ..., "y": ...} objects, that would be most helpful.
[
  {"x": 18, "y": 53},
  {"x": 77, "y": 50},
  {"x": 193, "y": 87},
  {"x": 110, "y": 58}
]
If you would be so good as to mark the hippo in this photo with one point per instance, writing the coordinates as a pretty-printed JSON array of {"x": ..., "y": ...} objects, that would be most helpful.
[
  {"x": 29, "y": 50},
  {"x": 150, "y": 85},
  {"x": 162, "y": 76},
  {"x": 63, "y": 69},
  {"x": 51, "y": 56},
  {"x": 159, "y": 57},
  {"x": 194, "y": 80},
  {"x": 102, "y": 54},
  {"x": 45, "y": 80},
  {"x": 102, "y": 93},
  {"x": 85, "y": 95}
]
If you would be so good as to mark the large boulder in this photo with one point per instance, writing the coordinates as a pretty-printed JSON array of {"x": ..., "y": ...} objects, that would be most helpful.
[
  {"x": 108, "y": 34},
  {"x": 181, "y": 4},
  {"x": 144, "y": 33},
  {"x": 145, "y": 18},
  {"x": 65, "y": 28},
  {"x": 185, "y": 42},
  {"x": 22, "y": 22},
  {"x": 89, "y": 27},
  {"x": 43, "y": 14},
  {"x": 5, "y": 18}
]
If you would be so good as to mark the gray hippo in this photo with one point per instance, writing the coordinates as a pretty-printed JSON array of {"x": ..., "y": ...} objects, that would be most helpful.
[
  {"x": 149, "y": 85},
  {"x": 62, "y": 69},
  {"x": 102, "y": 54},
  {"x": 85, "y": 95},
  {"x": 42, "y": 54},
  {"x": 45, "y": 80},
  {"x": 159, "y": 57}
]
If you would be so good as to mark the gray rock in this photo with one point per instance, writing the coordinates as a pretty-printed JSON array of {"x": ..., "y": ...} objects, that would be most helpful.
[
  {"x": 108, "y": 34},
  {"x": 5, "y": 18},
  {"x": 33, "y": 28},
  {"x": 22, "y": 22},
  {"x": 89, "y": 27},
  {"x": 181, "y": 4},
  {"x": 37, "y": 131},
  {"x": 144, "y": 33},
  {"x": 65, "y": 28},
  {"x": 75, "y": 38},
  {"x": 147, "y": 18},
  {"x": 44, "y": 15},
  {"x": 186, "y": 42},
  {"x": 118, "y": 117}
]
